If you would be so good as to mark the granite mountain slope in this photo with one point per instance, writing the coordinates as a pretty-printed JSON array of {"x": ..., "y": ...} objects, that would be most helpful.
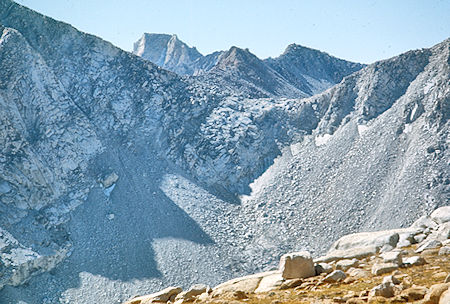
[{"x": 118, "y": 176}]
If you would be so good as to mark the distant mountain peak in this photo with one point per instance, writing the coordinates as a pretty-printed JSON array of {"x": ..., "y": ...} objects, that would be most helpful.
[{"x": 167, "y": 51}]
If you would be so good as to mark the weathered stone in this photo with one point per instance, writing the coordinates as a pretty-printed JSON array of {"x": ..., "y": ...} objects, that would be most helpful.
[
  {"x": 414, "y": 293},
  {"x": 441, "y": 215},
  {"x": 110, "y": 180},
  {"x": 383, "y": 268},
  {"x": 292, "y": 283},
  {"x": 335, "y": 276},
  {"x": 447, "y": 279},
  {"x": 357, "y": 253},
  {"x": 358, "y": 273},
  {"x": 414, "y": 261},
  {"x": 269, "y": 283},
  {"x": 344, "y": 265},
  {"x": 435, "y": 292},
  {"x": 429, "y": 244},
  {"x": 160, "y": 296},
  {"x": 192, "y": 292},
  {"x": 385, "y": 290},
  {"x": 297, "y": 265},
  {"x": 392, "y": 257}
]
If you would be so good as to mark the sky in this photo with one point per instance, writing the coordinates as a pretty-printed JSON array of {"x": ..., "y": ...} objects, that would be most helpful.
[{"x": 358, "y": 30}]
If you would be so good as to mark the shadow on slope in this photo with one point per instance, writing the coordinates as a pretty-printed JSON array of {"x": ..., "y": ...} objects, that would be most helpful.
[{"x": 113, "y": 234}]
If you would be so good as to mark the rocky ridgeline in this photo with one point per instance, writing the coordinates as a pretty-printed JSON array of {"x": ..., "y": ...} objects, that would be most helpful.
[{"x": 392, "y": 266}]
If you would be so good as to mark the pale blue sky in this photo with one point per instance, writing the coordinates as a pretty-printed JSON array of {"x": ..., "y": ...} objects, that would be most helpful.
[{"x": 363, "y": 31}]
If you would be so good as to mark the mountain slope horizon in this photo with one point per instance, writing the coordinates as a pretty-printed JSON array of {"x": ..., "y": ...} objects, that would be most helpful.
[{"x": 298, "y": 72}]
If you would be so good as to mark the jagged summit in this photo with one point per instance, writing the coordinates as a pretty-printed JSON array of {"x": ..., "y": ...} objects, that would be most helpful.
[
  {"x": 241, "y": 69},
  {"x": 167, "y": 51},
  {"x": 235, "y": 57}
]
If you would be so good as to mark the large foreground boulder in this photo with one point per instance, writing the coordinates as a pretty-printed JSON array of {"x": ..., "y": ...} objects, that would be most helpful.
[
  {"x": 297, "y": 265},
  {"x": 243, "y": 284}
]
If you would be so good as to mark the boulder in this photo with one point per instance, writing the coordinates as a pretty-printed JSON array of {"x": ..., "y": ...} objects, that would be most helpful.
[
  {"x": 407, "y": 236},
  {"x": 297, "y": 265},
  {"x": 269, "y": 283},
  {"x": 382, "y": 268},
  {"x": 414, "y": 293},
  {"x": 376, "y": 239},
  {"x": 435, "y": 292},
  {"x": 414, "y": 261},
  {"x": 110, "y": 180},
  {"x": 392, "y": 257},
  {"x": 441, "y": 215},
  {"x": 353, "y": 253},
  {"x": 288, "y": 284},
  {"x": 160, "y": 296},
  {"x": 385, "y": 290},
  {"x": 245, "y": 284},
  {"x": 344, "y": 265},
  {"x": 335, "y": 276},
  {"x": 358, "y": 273}
]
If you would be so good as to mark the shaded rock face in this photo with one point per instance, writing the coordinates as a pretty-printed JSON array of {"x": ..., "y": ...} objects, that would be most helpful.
[
  {"x": 310, "y": 70},
  {"x": 112, "y": 168}
]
